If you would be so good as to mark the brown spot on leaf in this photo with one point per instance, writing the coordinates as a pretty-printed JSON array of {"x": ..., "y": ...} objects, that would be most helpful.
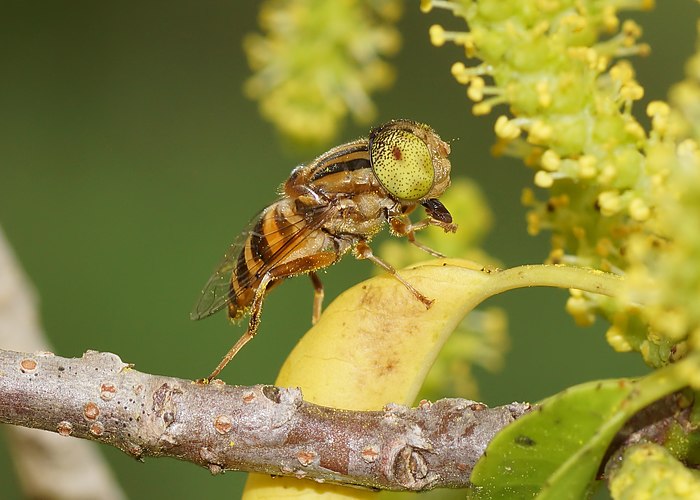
[
  {"x": 388, "y": 366},
  {"x": 523, "y": 440}
]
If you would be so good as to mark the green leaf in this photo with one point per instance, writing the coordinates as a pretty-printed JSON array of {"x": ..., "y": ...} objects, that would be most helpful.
[
  {"x": 555, "y": 452},
  {"x": 535, "y": 451}
]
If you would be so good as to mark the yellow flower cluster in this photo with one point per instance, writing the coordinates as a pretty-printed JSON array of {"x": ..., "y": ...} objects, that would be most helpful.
[
  {"x": 318, "y": 61},
  {"x": 648, "y": 468},
  {"x": 620, "y": 199}
]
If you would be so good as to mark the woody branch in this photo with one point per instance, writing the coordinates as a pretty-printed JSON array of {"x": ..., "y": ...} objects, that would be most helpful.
[
  {"x": 260, "y": 428},
  {"x": 264, "y": 428}
]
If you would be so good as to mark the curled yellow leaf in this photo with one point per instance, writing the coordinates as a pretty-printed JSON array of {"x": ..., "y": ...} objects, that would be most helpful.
[{"x": 376, "y": 343}]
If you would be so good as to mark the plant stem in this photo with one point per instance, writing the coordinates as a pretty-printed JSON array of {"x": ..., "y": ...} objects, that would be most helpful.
[{"x": 560, "y": 276}]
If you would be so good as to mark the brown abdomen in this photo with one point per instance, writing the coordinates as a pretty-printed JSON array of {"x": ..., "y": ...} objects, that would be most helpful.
[{"x": 277, "y": 232}]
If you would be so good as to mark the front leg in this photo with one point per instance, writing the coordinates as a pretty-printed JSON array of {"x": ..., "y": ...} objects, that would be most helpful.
[
  {"x": 363, "y": 251},
  {"x": 401, "y": 225}
]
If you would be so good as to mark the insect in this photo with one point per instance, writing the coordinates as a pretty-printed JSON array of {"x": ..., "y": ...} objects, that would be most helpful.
[{"x": 326, "y": 208}]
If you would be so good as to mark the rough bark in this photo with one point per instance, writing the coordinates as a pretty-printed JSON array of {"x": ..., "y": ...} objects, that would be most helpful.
[{"x": 260, "y": 428}]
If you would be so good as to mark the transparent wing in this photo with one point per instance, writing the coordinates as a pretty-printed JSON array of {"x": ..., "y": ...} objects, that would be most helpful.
[
  {"x": 216, "y": 294},
  {"x": 290, "y": 232}
]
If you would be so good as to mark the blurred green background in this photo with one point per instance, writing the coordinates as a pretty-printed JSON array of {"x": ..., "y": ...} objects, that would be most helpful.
[{"x": 129, "y": 159}]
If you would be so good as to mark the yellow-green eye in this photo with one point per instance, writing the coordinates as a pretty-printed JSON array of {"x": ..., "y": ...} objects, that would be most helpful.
[{"x": 402, "y": 163}]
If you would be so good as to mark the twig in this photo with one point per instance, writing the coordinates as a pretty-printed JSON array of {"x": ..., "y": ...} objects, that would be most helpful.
[{"x": 259, "y": 428}]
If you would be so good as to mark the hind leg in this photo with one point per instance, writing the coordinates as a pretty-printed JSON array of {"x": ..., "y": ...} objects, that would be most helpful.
[
  {"x": 253, "y": 324},
  {"x": 318, "y": 297}
]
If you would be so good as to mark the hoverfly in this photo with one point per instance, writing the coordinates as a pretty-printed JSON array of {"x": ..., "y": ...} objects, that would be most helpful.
[{"x": 336, "y": 203}]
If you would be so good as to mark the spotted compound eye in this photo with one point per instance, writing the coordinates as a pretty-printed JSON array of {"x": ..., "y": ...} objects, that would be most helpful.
[{"x": 402, "y": 163}]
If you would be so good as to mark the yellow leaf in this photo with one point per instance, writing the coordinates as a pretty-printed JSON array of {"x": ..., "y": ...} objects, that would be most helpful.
[{"x": 376, "y": 343}]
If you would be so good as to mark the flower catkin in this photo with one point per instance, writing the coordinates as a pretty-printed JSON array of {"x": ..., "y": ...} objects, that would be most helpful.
[
  {"x": 619, "y": 198},
  {"x": 318, "y": 61}
]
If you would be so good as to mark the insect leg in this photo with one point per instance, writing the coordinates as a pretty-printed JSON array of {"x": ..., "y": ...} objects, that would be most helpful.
[
  {"x": 363, "y": 251},
  {"x": 303, "y": 265},
  {"x": 253, "y": 324},
  {"x": 402, "y": 226},
  {"x": 318, "y": 297}
]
